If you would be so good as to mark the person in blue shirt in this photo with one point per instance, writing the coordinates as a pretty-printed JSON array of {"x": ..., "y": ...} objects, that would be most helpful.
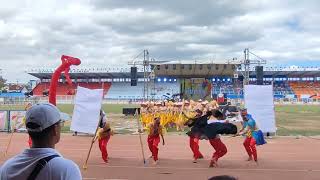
[{"x": 249, "y": 129}]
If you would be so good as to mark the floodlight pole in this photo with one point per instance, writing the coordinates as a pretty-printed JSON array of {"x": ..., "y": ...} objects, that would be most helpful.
[
  {"x": 247, "y": 62},
  {"x": 152, "y": 81},
  {"x": 145, "y": 63},
  {"x": 145, "y": 75}
]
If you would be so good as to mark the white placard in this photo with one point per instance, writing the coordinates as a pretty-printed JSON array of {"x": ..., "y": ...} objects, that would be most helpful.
[
  {"x": 17, "y": 120},
  {"x": 86, "y": 111},
  {"x": 3, "y": 120},
  {"x": 259, "y": 102}
]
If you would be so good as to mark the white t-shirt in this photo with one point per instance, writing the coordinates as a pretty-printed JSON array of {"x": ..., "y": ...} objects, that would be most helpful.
[
  {"x": 210, "y": 121},
  {"x": 21, "y": 166}
]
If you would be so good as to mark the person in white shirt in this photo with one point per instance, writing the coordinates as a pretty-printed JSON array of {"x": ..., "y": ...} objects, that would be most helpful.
[{"x": 41, "y": 161}]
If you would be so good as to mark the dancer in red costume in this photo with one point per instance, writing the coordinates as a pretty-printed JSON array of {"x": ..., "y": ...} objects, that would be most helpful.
[
  {"x": 155, "y": 131},
  {"x": 103, "y": 134},
  {"x": 194, "y": 134}
]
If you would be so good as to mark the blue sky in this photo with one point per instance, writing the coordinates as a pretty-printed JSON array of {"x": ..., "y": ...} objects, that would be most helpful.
[{"x": 299, "y": 63}]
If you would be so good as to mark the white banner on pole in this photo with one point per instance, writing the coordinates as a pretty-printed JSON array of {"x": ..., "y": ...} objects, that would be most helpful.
[
  {"x": 259, "y": 103},
  {"x": 86, "y": 111}
]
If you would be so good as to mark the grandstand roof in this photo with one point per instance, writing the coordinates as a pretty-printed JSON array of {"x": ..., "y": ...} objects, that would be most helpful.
[
  {"x": 195, "y": 62},
  {"x": 125, "y": 72},
  {"x": 89, "y": 75},
  {"x": 289, "y": 71}
]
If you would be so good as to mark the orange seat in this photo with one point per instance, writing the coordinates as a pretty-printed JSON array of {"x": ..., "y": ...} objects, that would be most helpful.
[{"x": 65, "y": 89}]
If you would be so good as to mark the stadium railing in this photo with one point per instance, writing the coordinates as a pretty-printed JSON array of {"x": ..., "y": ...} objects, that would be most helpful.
[{"x": 69, "y": 99}]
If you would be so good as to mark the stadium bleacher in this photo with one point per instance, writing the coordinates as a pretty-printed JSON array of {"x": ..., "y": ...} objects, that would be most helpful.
[
  {"x": 124, "y": 90},
  {"x": 287, "y": 83},
  {"x": 223, "y": 87},
  {"x": 233, "y": 90},
  {"x": 281, "y": 89},
  {"x": 65, "y": 89},
  {"x": 305, "y": 89}
]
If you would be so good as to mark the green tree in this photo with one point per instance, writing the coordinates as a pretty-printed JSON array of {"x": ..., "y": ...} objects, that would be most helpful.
[{"x": 2, "y": 82}]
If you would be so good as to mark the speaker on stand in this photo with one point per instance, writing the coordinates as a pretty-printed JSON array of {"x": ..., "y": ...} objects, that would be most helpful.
[
  {"x": 259, "y": 75},
  {"x": 133, "y": 76}
]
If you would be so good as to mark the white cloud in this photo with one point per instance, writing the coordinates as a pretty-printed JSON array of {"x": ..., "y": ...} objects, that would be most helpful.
[{"x": 112, "y": 32}]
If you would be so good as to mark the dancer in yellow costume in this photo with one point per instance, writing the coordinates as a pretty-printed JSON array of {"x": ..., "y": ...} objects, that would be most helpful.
[
  {"x": 143, "y": 112},
  {"x": 146, "y": 113}
]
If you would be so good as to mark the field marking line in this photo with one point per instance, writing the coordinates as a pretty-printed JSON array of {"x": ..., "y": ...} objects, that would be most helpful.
[{"x": 200, "y": 168}]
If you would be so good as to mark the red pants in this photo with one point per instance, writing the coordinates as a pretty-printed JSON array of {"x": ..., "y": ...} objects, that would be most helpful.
[
  {"x": 194, "y": 145},
  {"x": 153, "y": 142},
  {"x": 219, "y": 147},
  {"x": 30, "y": 142},
  {"x": 250, "y": 146},
  {"x": 103, "y": 147}
]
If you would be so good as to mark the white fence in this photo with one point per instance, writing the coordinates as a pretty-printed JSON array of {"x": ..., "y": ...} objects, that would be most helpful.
[
  {"x": 70, "y": 99},
  {"x": 60, "y": 100}
]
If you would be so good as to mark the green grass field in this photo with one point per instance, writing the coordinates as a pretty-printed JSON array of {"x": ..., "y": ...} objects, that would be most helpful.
[
  {"x": 298, "y": 120},
  {"x": 68, "y": 108},
  {"x": 290, "y": 119}
]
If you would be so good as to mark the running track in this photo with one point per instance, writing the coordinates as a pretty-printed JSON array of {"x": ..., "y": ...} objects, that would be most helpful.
[{"x": 282, "y": 158}]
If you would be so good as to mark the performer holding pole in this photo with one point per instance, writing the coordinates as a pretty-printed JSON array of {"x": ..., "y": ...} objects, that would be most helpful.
[
  {"x": 103, "y": 135},
  {"x": 140, "y": 139},
  {"x": 155, "y": 131},
  {"x": 85, "y": 165}
]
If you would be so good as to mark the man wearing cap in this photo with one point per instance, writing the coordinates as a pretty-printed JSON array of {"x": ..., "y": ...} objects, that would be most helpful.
[{"x": 41, "y": 161}]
